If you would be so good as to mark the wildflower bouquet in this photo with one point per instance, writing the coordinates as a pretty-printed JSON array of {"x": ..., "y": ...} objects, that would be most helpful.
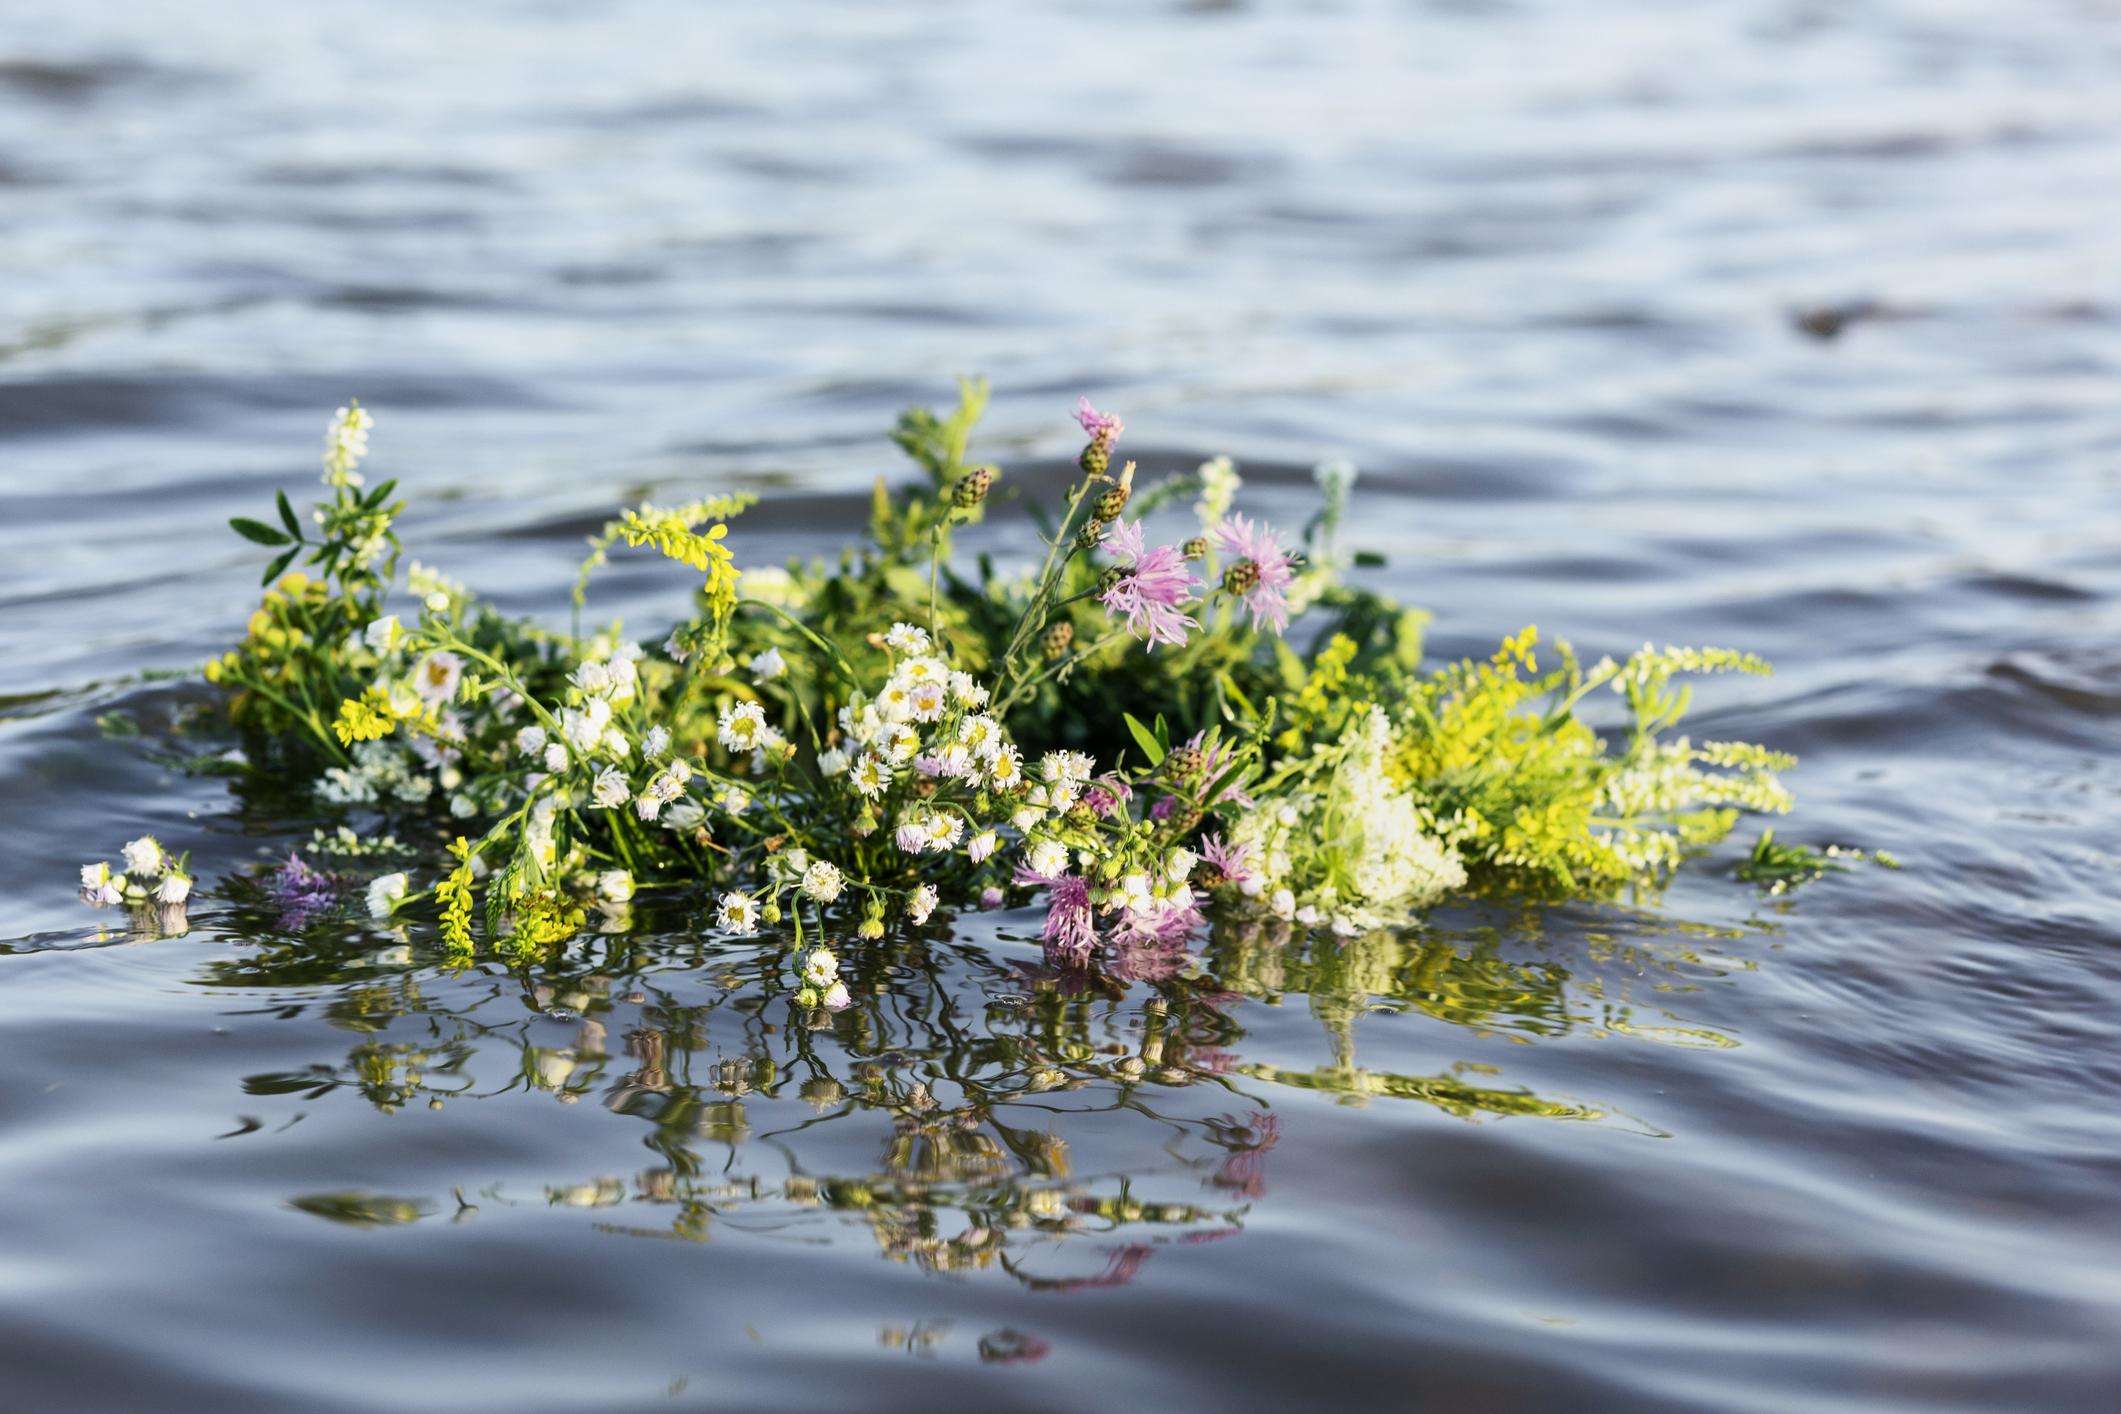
[{"x": 1138, "y": 729}]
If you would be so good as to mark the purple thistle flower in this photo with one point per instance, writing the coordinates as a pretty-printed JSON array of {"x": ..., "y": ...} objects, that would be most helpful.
[
  {"x": 1151, "y": 586},
  {"x": 1262, "y": 585},
  {"x": 1163, "y": 808},
  {"x": 1070, "y": 933},
  {"x": 1212, "y": 763},
  {"x": 1232, "y": 861},
  {"x": 1103, "y": 427}
]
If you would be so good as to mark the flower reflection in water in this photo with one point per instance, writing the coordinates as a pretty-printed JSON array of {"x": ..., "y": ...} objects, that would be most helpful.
[{"x": 967, "y": 1114}]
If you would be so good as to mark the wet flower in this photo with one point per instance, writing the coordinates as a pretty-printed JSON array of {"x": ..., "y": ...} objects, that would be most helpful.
[
  {"x": 1070, "y": 933},
  {"x": 921, "y": 904},
  {"x": 738, "y": 913},
  {"x": 1261, "y": 573},
  {"x": 100, "y": 887},
  {"x": 822, "y": 882},
  {"x": 1149, "y": 586},
  {"x": 143, "y": 857},
  {"x": 819, "y": 968},
  {"x": 174, "y": 888},
  {"x": 836, "y": 998},
  {"x": 301, "y": 892},
  {"x": 385, "y": 894}
]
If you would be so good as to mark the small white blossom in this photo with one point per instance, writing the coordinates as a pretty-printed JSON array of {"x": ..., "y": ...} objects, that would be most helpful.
[
  {"x": 556, "y": 757},
  {"x": 906, "y": 638},
  {"x": 822, "y": 881},
  {"x": 967, "y": 692},
  {"x": 531, "y": 740},
  {"x": 437, "y": 676},
  {"x": 832, "y": 761},
  {"x": 385, "y": 894},
  {"x": 611, "y": 789},
  {"x": 871, "y": 776},
  {"x": 983, "y": 844},
  {"x": 922, "y": 904},
  {"x": 742, "y": 726},
  {"x": 768, "y": 665},
  {"x": 739, "y": 913},
  {"x": 656, "y": 742},
  {"x": 615, "y": 885},
  {"x": 1048, "y": 859},
  {"x": 174, "y": 888},
  {"x": 675, "y": 647},
  {"x": 1005, "y": 768},
  {"x": 836, "y": 998},
  {"x": 820, "y": 968},
  {"x": 143, "y": 857},
  {"x": 382, "y": 635}
]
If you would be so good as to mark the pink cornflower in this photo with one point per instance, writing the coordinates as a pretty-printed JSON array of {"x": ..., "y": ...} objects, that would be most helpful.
[
  {"x": 1262, "y": 570},
  {"x": 1150, "y": 586},
  {"x": 1103, "y": 427}
]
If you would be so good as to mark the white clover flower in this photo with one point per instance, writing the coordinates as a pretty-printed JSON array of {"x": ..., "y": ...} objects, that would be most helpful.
[
  {"x": 1048, "y": 859},
  {"x": 556, "y": 757},
  {"x": 741, "y": 726},
  {"x": 739, "y": 913},
  {"x": 611, "y": 789},
  {"x": 983, "y": 844},
  {"x": 615, "y": 885},
  {"x": 1005, "y": 768},
  {"x": 967, "y": 692},
  {"x": 906, "y": 638},
  {"x": 437, "y": 676},
  {"x": 143, "y": 857},
  {"x": 981, "y": 734},
  {"x": 822, "y": 882},
  {"x": 820, "y": 968},
  {"x": 768, "y": 665},
  {"x": 656, "y": 742},
  {"x": 872, "y": 776},
  {"x": 832, "y": 761},
  {"x": 382, "y": 635},
  {"x": 531, "y": 740},
  {"x": 923, "y": 903},
  {"x": 385, "y": 894},
  {"x": 174, "y": 888}
]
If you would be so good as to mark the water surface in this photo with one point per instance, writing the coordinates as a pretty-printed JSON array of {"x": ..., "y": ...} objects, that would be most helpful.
[{"x": 1542, "y": 270}]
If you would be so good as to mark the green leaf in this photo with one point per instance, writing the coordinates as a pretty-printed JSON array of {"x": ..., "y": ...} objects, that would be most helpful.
[
  {"x": 272, "y": 571},
  {"x": 257, "y": 530},
  {"x": 287, "y": 515},
  {"x": 1145, "y": 740},
  {"x": 1369, "y": 560},
  {"x": 375, "y": 497}
]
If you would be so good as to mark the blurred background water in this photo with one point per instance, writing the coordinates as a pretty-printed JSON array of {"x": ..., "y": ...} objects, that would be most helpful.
[{"x": 1778, "y": 323}]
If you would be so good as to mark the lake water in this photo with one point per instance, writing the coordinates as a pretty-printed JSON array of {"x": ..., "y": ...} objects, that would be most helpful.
[{"x": 1539, "y": 268}]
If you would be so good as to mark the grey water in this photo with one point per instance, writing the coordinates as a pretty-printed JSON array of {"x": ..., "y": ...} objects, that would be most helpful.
[{"x": 1782, "y": 324}]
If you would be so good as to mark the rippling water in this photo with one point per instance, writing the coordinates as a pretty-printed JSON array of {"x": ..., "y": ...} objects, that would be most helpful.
[{"x": 1778, "y": 323}]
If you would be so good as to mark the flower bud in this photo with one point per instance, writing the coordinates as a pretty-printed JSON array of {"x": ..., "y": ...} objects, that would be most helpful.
[
  {"x": 1097, "y": 456},
  {"x": 1185, "y": 762},
  {"x": 1240, "y": 578},
  {"x": 1092, "y": 534},
  {"x": 1196, "y": 548},
  {"x": 1058, "y": 638},
  {"x": 1112, "y": 503},
  {"x": 973, "y": 488}
]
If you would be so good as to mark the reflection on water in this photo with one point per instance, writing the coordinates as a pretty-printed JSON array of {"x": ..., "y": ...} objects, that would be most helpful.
[{"x": 965, "y": 1114}]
